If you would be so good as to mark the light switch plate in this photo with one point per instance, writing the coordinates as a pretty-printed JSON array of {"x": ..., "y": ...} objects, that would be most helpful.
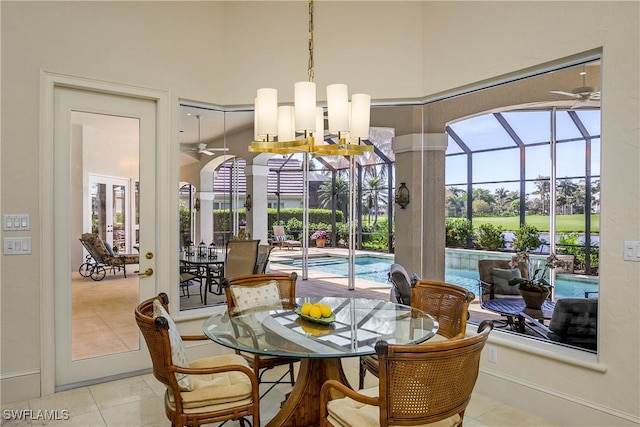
[
  {"x": 15, "y": 222},
  {"x": 631, "y": 250},
  {"x": 17, "y": 246}
]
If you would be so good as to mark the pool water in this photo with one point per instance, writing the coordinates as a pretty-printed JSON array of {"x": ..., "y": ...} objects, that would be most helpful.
[{"x": 376, "y": 269}]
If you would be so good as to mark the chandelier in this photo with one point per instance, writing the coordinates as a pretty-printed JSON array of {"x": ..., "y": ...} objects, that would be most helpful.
[{"x": 276, "y": 128}]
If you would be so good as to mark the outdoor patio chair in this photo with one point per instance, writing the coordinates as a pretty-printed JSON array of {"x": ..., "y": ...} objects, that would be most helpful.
[
  {"x": 246, "y": 292},
  {"x": 241, "y": 258},
  {"x": 282, "y": 240},
  {"x": 263, "y": 258},
  {"x": 493, "y": 282},
  {"x": 419, "y": 385},
  {"x": 100, "y": 257},
  {"x": 209, "y": 390},
  {"x": 401, "y": 284},
  {"x": 574, "y": 322},
  {"x": 447, "y": 303}
]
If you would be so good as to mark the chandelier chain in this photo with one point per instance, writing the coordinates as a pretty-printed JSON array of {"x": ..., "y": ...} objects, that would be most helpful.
[{"x": 310, "y": 71}]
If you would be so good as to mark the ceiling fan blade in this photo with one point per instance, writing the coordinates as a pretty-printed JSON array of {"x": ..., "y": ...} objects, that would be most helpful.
[
  {"x": 560, "y": 92},
  {"x": 207, "y": 152},
  {"x": 595, "y": 96},
  {"x": 585, "y": 104}
]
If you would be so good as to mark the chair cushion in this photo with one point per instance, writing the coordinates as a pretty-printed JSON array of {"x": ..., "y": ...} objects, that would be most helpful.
[
  {"x": 109, "y": 248},
  {"x": 216, "y": 389},
  {"x": 401, "y": 282},
  {"x": 348, "y": 412},
  {"x": 501, "y": 277},
  {"x": 281, "y": 238},
  {"x": 247, "y": 298},
  {"x": 178, "y": 352}
]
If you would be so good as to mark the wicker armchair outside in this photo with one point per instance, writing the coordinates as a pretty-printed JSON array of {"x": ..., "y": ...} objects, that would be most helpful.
[
  {"x": 447, "y": 303},
  {"x": 419, "y": 385},
  {"x": 224, "y": 387}
]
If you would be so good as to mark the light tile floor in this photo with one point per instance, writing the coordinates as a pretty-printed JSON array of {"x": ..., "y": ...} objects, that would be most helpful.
[{"x": 137, "y": 401}]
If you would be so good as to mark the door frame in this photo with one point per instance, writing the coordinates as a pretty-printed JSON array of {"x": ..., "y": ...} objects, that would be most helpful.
[
  {"x": 130, "y": 207},
  {"x": 166, "y": 173}
]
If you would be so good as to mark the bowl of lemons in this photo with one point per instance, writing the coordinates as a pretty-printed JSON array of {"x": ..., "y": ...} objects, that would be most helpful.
[{"x": 316, "y": 312}]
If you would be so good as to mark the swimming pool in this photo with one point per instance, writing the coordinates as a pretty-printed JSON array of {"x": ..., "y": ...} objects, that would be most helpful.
[{"x": 376, "y": 269}]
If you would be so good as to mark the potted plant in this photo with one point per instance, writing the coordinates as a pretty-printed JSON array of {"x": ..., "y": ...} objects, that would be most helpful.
[
  {"x": 534, "y": 289},
  {"x": 320, "y": 237}
]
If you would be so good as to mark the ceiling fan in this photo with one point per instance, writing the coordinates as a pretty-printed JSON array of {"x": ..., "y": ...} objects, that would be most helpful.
[
  {"x": 585, "y": 95},
  {"x": 201, "y": 147}
]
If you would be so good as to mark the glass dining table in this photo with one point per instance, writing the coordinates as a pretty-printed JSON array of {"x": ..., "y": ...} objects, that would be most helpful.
[{"x": 278, "y": 331}]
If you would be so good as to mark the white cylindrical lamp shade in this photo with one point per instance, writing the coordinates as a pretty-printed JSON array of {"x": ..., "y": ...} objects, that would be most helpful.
[
  {"x": 338, "y": 108},
  {"x": 267, "y": 109},
  {"x": 305, "y": 106},
  {"x": 360, "y": 115},
  {"x": 286, "y": 123},
  {"x": 256, "y": 116}
]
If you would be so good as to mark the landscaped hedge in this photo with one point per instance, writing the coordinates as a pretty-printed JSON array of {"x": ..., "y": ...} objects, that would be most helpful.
[{"x": 291, "y": 218}]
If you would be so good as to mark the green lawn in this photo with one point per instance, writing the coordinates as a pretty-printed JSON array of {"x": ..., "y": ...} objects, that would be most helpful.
[{"x": 564, "y": 223}]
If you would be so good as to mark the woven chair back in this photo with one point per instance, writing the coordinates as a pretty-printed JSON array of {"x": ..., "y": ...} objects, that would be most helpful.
[
  {"x": 447, "y": 303},
  {"x": 423, "y": 384},
  {"x": 156, "y": 335},
  {"x": 286, "y": 287}
]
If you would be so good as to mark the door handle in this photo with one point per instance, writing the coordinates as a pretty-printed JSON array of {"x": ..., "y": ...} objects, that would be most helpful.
[{"x": 147, "y": 272}]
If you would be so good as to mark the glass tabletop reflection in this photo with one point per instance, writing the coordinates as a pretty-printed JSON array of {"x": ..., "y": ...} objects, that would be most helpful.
[{"x": 359, "y": 324}]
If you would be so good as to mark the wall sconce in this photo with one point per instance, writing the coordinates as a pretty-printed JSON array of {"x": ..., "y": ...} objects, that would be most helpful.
[
  {"x": 402, "y": 195},
  {"x": 196, "y": 205},
  {"x": 247, "y": 203}
]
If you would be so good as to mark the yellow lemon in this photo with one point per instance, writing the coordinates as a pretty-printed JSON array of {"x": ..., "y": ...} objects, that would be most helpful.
[
  {"x": 315, "y": 312},
  {"x": 325, "y": 310},
  {"x": 306, "y": 308}
]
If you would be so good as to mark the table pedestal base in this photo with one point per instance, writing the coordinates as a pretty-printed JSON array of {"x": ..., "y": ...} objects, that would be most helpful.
[{"x": 302, "y": 408}]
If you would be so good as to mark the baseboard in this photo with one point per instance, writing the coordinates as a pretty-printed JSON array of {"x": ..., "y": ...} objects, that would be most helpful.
[
  {"x": 557, "y": 407},
  {"x": 19, "y": 386}
]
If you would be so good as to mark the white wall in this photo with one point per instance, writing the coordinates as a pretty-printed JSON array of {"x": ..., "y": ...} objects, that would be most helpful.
[{"x": 219, "y": 52}]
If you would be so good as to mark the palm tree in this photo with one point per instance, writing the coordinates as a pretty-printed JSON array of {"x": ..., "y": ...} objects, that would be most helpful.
[
  {"x": 374, "y": 194},
  {"x": 543, "y": 187},
  {"x": 326, "y": 195}
]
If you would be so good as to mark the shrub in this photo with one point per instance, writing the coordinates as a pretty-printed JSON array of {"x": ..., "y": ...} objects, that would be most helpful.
[
  {"x": 527, "y": 237},
  {"x": 490, "y": 236},
  {"x": 459, "y": 232}
]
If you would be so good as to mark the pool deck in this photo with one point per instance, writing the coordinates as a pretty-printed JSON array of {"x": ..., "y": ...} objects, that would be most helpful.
[{"x": 326, "y": 284}]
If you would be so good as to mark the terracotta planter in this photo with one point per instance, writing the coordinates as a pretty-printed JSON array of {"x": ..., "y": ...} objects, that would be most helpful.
[
  {"x": 532, "y": 299},
  {"x": 320, "y": 243}
]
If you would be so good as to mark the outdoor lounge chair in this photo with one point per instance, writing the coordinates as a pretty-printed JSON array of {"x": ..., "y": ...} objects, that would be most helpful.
[
  {"x": 100, "y": 257},
  {"x": 574, "y": 322},
  {"x": 281, "y": 239}
]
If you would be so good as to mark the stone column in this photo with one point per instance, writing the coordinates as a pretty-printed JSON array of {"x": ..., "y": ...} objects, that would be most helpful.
[
  {"x": 206, "y": 216},
  {"x": 257, "y": 220},
  {"x": 420, "y": 227}
]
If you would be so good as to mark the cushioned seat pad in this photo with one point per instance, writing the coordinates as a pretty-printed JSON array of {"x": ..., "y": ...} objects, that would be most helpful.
[
  {"x": 217, "y": 389},
  {"x": 348, "y": 412}
]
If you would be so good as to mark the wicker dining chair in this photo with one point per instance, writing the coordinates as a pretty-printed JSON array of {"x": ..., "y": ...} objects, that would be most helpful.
[
  {"x": 419, "y": 385},
  {"x": 208, "y": 390},
  {"x": 447, "y": 303},
  {"x": 286, "y": 284}
]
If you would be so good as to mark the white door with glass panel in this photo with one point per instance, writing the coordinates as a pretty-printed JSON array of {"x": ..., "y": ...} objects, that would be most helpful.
[{"x": 104, "y": 183}]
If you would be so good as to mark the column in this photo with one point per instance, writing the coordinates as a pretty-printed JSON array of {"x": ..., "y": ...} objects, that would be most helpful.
[
  {"x": 257, "y": 219},
  {"x": 420, "y": 227}
]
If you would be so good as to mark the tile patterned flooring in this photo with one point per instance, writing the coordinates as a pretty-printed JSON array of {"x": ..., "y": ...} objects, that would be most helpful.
[{"x": 137, "y": 401}]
